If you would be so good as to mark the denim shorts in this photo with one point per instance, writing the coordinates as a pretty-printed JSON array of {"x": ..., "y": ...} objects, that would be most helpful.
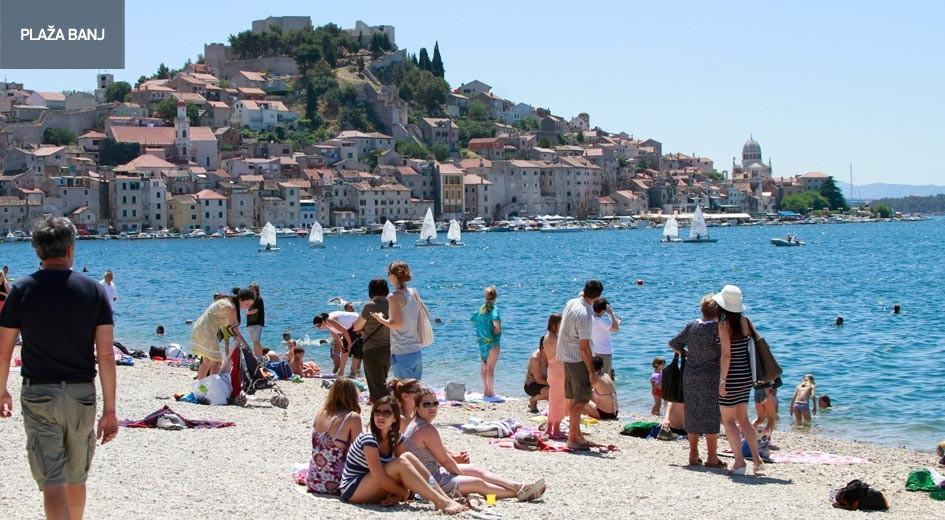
[
  {"x": 407, "y": 366},
  {"x": 60, "y": 431}
]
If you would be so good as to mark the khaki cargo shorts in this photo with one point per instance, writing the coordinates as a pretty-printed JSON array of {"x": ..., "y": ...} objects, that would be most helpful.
[
  {"x": 60, "y": 431},
  {"x": 577, "y": 382}
]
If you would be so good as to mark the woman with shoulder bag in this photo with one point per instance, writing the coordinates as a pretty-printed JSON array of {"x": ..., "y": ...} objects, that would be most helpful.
[
  {"x": 735, "y": 379},
  {"x": 404, "y": 311}
]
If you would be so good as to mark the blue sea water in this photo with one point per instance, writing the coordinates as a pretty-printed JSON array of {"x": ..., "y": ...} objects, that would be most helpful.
[{"x": 882, "y": 371}]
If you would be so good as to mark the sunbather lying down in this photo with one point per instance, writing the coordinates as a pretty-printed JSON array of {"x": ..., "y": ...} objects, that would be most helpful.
[{"x": 300, "y": 367}]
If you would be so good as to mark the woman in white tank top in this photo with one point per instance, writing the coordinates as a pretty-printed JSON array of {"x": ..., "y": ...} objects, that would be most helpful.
[{"x": 404, "y": 310}]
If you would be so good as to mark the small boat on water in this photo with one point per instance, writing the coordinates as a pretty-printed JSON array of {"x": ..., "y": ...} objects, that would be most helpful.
[
  {"x": 454, "y": 235},
  {"x": 788, "y": 241},
  {"x": 428, "y": 231},
  {"x": 670, "y": 231},
  {"x": 267, "y": 238},
  {"x": 698, "y": 231},
  {"x": 388, "y": 236},
  {"x": 316, "y": 238}
]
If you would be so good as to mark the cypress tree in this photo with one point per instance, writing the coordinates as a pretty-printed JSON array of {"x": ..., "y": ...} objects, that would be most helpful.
[
  {"x": 436, "y": 65},
  {"x": 424, "y": 59}
]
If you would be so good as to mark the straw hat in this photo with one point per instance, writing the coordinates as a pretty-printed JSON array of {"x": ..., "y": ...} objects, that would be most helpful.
[{"x": 730, "y": 299}]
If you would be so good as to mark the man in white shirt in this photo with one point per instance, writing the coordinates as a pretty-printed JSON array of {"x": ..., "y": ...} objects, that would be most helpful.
[
  {"x": 108, "y": 282},
  {"x": 574, "y": 350},
  {"x": 601, "y": 342}
]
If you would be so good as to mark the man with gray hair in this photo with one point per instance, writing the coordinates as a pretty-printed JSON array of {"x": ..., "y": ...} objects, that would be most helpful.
[{"x": 60, "y": 314}]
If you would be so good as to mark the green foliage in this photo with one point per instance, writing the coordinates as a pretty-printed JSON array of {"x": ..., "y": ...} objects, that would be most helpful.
[
  {"x": 436, "y": 64},
  {"x": 527, "y": 124},
  {"x": 916, "y": 204},
  {"x": 311, "y": 102},
  {"x": 715, "y": 175},
  {"x": 544, "y": 143},
  {"x": 622, "y": 162},
  {"x": 424, "y": 60},
  {"x": 440, "y": 151},
  {"x": 805, "y": 202},
  {"x": 579, "y": 137},
  {"x": 834, "y": 196},
  {"x": 117, "y": 91},
  {"x": 58, "y": 136},
  {"x": 141, "y": 79},
  {"x": 111, "y": 153},
  {"x": 477, "y": 111},
  {"x": 411, "y": 149},
  {"x": 882, "y": 210},
  {"x": 307, "y": 46},
  {"x": 380, "y": 43},
  {"x": 469, "y": 129},
  {"x": 419, "y": 88},
  {"x": 162, "y": 72},
  {"x": 167, "y": 110}
]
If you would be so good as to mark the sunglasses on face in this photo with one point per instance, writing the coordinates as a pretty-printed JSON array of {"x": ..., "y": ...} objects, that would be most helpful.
[
  {"x": 430, "y": 404},
  {"x": 384, "y": 413}
]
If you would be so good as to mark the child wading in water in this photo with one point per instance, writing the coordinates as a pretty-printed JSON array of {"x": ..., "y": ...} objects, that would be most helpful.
[
  {"x": 804, "y": 395},
  {"x": 656, "y": 384},
  {"x": 488, "y": 332}
]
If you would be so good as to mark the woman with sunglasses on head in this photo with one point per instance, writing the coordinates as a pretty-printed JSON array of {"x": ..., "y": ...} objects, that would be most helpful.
[
  {"x": 454, "y": 476},
  {"x": 379, "y": 470},
  {"x": 405, "y": 392}
]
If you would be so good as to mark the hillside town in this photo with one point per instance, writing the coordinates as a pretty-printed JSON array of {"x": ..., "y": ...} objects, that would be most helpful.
[{"x": 343, "y": 128}]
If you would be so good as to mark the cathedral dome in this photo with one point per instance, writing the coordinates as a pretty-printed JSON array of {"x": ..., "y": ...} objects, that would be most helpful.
[{"x": 751, "y": 147}]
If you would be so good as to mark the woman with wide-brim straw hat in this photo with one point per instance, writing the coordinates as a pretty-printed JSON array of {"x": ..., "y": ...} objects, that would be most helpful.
[{"x": 735, "y": 379}]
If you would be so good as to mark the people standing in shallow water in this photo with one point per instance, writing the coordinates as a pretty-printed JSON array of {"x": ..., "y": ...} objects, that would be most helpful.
[
  {"x": 698, "y": 342},
  {"x": 805, "y": 394},
  {"x": 557, "y": 402},
  {"x": 404, "y": 311},
  {"x": 735, "y": 381},
  {"x": 488, "y": 325},
  {"x": 656, "y": 384}
]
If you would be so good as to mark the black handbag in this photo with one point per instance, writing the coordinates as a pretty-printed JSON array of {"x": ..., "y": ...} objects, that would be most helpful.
[{"x": 672, "y": 380}]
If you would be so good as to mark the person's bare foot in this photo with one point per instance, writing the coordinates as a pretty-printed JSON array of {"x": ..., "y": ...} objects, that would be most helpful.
[{"x": 453, "y": 508}]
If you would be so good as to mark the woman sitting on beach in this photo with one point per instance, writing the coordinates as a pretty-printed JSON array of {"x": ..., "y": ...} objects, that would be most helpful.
[
  {"x": 557, "y": 403},
  {"x": 405, "y": 392},
  {"x": 457, "y": 477},
  {"x": 735, "y": 379},
  {"x": 221, "y": 314},
  {"x": 379, "y": 470},
  {"x": 804, "y": 394},
  {"x": 699, "y": 343},
  {"x": 336, "y": 426},
  {"x": 341, "y": 341},
  {"x": 603, "y": 403}
]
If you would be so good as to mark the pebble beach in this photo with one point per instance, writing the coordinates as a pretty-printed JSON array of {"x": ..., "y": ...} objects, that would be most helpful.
[{"x": 245, "y": 471}]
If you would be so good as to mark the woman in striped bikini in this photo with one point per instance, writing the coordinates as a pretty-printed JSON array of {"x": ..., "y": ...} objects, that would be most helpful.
[{"x": 735, "y": 380}]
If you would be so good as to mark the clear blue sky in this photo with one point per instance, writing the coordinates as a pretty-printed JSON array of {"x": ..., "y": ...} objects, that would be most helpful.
[{"x": 819, "y": 84}]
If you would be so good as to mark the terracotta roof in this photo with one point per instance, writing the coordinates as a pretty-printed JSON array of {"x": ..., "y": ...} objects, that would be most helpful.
[
  {"x": 144, "y": 161},
  {"x": 605, "y": 200},
  {"x": 252, "y": 178},
  {"x": 813, "y": 175},
  {"x": 472, "y": 178},
  {"x": 51, "y": 96},
  {"x": 449, "y": 168},
  {"x": 190, "y": 96},
  {"x": 160, "y": 136},
  {"x": 252, "y": 90},
  {"x": 46, "y": 151},
  {"x": 92, "y": 135},
  {"x": 483, "y": 141},
  {"x": 524, "y": 164},
  {"x": 475, "y": 163},
  {"x": 253, "y": 76},
  {"x": 209, "y": 195},
  {"x": 295, "y": 183}
]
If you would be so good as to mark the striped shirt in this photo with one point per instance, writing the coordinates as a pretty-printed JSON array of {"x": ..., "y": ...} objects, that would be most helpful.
[
  {"x": 577, "y": 323},
  {"x": 356, "y": 465}
]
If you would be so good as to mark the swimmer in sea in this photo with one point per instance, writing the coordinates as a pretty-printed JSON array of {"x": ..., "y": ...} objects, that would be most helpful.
[{"x": 804, "y": 396}]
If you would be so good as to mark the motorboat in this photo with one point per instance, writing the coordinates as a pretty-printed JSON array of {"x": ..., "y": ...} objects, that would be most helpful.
[{"x": 788, "y": 241}]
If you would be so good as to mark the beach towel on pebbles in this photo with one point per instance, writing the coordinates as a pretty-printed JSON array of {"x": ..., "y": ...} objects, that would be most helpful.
[
  {"x": 167, "y": 416},
  {"x": 500, "y": 429}
]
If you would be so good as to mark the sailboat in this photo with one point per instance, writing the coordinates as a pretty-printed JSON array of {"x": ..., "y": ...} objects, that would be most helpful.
[
  {"x": 454, "y": 234},
  {"x": 388, "y": 235},
  {"x": 698, "y": 231},
  {"x": 267, "y": 238},
  {"x": 316, "y": 237},
  {"x": 428, "y": 231},
  {"x": 670, "y": 230}
]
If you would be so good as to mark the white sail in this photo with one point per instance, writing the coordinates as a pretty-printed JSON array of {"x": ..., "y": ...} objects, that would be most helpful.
[
  {"x": 698, "y": 228},
  {"x": 267, "y": 238},
  {"x": 671, "y": 229},
  {"x": 317, "y": 235},
  {"x": 428, "y": 230},
  {"x": 388, "y": 234},
  {"x": 454, "y": 233}
]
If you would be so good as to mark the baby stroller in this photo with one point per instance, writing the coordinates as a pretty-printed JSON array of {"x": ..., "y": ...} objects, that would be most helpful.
[{"x": 247, "y": 376}]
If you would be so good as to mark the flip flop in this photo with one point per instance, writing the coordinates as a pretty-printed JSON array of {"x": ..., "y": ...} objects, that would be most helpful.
[
  {"x": 718, "y": 464},
  {"x": 579, "y": 447},
  {"x": 691, "y": 464}
]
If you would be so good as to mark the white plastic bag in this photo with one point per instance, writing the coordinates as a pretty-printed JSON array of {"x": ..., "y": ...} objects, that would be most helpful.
[{"x": 215, "y": 389}]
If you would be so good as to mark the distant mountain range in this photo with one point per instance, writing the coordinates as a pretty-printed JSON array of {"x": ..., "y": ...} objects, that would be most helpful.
[{"x": 881, "y": 190}]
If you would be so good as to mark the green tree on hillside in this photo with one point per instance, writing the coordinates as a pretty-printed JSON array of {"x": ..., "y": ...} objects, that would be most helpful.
[
  {"x": 477, "y": 111},
  {"x": 441, "y": 152},
  {"x": 58, "y": 136},
  {"x": 167, "y": 110},
  {"x": 436, "y": 64},
  {"x": 117, "y": 91},
  {"x": 424, "y": 60},
  {"x": 804, "y": 202},
  {"x": 834, "y": 196},
  {"x": 162, "y": 72}
]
